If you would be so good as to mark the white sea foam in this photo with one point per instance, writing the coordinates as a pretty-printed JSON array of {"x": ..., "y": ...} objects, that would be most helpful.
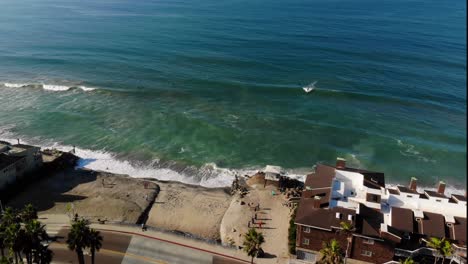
[
  {"x": 208, "y": 175},
  {"x": 86, "y": 89},
  {"x": 15, "y": 85},
  {"x": 49, "y": 87},
  {"x": 52, "y": 87},
  {"x": 410, "y": 151}
]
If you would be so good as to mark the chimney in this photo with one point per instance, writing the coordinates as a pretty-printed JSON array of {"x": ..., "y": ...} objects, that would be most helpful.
[
  {"x": 340, "y": 163},
  {"x": 441, "y": 188},
  {"x": 316, "y": 203},
  {"x": 413, "y": 183},
  {"x": 18, "y": 140}
]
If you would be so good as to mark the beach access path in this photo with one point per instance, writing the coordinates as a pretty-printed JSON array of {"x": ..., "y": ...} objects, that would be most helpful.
[{"x": 129, "y": 244}]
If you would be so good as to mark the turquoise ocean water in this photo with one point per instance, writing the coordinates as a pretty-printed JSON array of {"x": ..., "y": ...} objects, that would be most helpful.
[{"x": 201, "y": 90}]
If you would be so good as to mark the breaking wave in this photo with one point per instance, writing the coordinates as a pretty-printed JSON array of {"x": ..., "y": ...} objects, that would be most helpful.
[
  {"x": 49, "y": 87},
  {"x": 208, "y": 175}
]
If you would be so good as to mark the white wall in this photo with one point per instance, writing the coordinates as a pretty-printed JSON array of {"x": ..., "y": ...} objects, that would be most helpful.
[{"x": 427, "y": 205}]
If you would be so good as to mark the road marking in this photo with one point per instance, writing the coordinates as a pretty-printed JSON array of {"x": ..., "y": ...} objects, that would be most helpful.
[{"x": 103, "y": 250}]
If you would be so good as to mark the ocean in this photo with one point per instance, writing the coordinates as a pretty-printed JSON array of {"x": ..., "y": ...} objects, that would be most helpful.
[{"x": 199, "y": 91}]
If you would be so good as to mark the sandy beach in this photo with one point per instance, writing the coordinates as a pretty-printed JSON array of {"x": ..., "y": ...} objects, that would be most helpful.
[
  {"x": 94, "y": 195},
  {"x": 208, "y": 213},
  {"x": 190, "y": 208}
]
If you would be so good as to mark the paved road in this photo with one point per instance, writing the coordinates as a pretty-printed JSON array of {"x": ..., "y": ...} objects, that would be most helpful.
[{"x": 134, "y": 249}]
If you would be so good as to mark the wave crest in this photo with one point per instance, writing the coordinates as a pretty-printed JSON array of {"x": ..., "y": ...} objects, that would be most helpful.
[{"x": 49, "y": 87}]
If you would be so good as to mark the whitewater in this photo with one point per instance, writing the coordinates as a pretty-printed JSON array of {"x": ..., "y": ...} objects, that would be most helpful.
[{"x": 48, "y": 87}]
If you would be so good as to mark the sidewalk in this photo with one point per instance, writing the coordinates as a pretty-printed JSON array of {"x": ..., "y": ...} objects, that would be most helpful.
[{"x": 55, "y": 222}]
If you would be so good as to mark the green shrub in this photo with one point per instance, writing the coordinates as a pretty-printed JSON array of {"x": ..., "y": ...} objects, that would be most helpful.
[{"x": 292, "y": 233}]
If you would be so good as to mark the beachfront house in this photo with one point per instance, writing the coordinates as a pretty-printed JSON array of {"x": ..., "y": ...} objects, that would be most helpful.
[
  {"x": 17, "y": 161},
  {"x": 388, "y": 223}
]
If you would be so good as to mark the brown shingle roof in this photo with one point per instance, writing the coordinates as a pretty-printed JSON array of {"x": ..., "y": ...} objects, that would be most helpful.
[
  {"x": 433, "y": 225},
  {"x": 435, "y": 194},
  {"x": 322, "y": 177},
  {"x": 460, "y": 198},
  {"x": 369, "y": 221},
  {"x": 321, "y": 218},
  {"x": 460, "y": 230},
  {"x": 323, "y": 194},
  {"x": 406, "y": 190},
  {"x": 402, "y": 219}
]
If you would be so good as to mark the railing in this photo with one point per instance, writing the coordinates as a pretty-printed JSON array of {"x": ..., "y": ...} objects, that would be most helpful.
[
  {"x": 456, "y": 257},
  {"x": 460, "y": 251},
  {"x": 411, "y": 253}
]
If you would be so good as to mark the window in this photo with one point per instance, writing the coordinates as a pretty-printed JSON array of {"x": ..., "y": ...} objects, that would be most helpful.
[
  {"x": 375, "y": 198},
  {"x": 366, "y": 253},
  {"x": 306, "y": 241},
  {"x": 350, "y": 217},
  {"x": 409, "y": 196},
  {"x": 306, "y": 229},
  {"x": 338, "y": 215},
  {"x": 369, "y": 241},
  {"x": 438, "y": 200}
]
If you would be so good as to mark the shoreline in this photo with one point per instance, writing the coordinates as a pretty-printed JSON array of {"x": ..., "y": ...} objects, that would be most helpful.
[{"x": 209, "y": 175}]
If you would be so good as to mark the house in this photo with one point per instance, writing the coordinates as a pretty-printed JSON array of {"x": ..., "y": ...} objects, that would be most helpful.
[
  {"x": 9, "y": 166},
  {"x": 17, "y": 161},
  {"x": 272, "y": 173},
  {"x": 387, "y": 222}
]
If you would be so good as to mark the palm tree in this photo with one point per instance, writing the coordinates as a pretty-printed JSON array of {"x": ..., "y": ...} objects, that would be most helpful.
[
  {"x": 2, "y": 237},
  {"x": 34, "y": 234},
  {"x": 14, "y": 238},
  {"x": 22, "y": 232},
  {"x": 4, "y": 260},
  {"x": 442, "y": 247},
  {"x": 331, "y": 252},
  {"x": 95, "y": 242},
  {"x": 45, "y": 255},
  {"x": 9, "y": 216},
  {"x": 408, "y": 260},
  {"x": 347, "y": 229},
  {"x": 252, "y": 243},
  {"x": 78, "y": 238},
  {"x": 28, "y": 213}
]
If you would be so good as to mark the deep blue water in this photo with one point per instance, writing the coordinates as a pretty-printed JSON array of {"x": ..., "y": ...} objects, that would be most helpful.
[{"x": 185, "y": 83}]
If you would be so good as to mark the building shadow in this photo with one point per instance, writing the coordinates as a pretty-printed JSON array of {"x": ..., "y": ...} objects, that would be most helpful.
[{"x": 53, "y": 189}]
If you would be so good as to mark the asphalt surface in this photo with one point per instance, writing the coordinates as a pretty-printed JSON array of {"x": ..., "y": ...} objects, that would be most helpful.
[{"x": 123, "y": 248}]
